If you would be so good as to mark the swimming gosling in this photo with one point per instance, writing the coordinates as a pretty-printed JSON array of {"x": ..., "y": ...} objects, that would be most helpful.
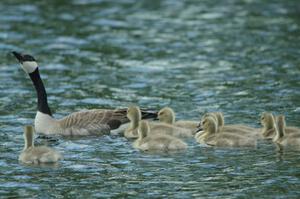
[
  {"x": 133, "y": 114},
  {"x": 282, "y": 137},
  {"x": 37, "y": 155},
  {"x": 167, "y": 115},
  {"x": 156, "y": 142},
  {"x": 223, "y": 138}
]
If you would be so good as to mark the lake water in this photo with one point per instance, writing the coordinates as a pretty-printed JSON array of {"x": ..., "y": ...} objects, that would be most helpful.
[{"x": 240, "y": 57}]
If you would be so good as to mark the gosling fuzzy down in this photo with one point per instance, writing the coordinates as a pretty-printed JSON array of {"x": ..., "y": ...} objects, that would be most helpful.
[
  {"x": 156, "y": 142},
  {"x": 167, "y": 115},
  {"x": 269, "y": 129},
  {"x": 37, "y": 155},
  {"x": 284, "y": 139},
  {"x": 212, "y": 136},
  {"x": 134, "y": 116},
  {"x": 233, "y": 128}
]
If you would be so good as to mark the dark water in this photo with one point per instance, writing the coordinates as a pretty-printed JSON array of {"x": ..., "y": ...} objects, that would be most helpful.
[{"x": 240, "y": 57}]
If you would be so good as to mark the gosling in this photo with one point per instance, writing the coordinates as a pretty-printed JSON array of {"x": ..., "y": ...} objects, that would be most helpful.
[
  {"x": 282, "y": 137},
  {"x": 223, "y": 138},
  {"x": 167, "y": 115},
  {"x": 134, "y": 115},
  {"x": 156, "y": 142},
  {"x": 232, "y": 128},
  {"x": 37, "y": 155}
]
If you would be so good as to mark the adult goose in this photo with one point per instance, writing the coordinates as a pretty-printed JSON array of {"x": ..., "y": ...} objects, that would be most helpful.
[{"x": 83, "y": 123}]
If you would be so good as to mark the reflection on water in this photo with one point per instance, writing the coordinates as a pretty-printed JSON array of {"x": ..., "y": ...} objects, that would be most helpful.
[{"x": 238, "y": 57}]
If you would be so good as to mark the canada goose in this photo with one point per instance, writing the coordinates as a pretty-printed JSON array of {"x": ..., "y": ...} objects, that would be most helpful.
[
  {"x": 269, "y": 129},
  {"x": 167, "y": 115},
  {"x": 282, "y": 137},
  {"x": 36, "y": 155},
  {"x": 133, "y": 114},
  {"x": 87, "y": 122},
  {"x": 152, "y": 142},
  {"x": 211, "y": 136}
]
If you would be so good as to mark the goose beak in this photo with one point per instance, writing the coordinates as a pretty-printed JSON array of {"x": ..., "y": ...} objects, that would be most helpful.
[{"x": 19, "y": 56}]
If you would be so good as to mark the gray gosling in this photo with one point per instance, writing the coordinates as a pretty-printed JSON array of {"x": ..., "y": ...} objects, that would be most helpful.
[
  {"x": 211, "y": 136},
  {"x": 156, "y": 142},
  {"x": 167, "y": 115},
  {"x": 133, "y": 115},
  {"x": 36, "y": 155},
  {"x": 282, "y": 137},
  {"x": 269, "y": 129}
]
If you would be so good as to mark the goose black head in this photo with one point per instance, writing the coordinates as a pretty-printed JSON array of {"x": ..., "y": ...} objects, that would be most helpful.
[{"x": 27, "y": 62}]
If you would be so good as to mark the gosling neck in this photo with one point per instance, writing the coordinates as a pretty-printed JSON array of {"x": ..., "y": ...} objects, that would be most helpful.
[
  {"x": 28, "y": 137},
  {"x": 280, "y": 132},
  {"x": 135, "y": 120}
]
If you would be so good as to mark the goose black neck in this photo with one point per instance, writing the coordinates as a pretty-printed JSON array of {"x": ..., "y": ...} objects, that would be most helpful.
[{"x": 41, "y": 92}]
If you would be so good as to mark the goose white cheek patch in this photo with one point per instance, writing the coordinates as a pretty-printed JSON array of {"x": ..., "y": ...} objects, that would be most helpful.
[{"x": 29, "y": 66}]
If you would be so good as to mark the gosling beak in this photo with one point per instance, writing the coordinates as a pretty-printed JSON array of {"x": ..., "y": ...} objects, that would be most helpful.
[
  {"x": 19, "y": 56},
  {"x": 199, "y": 128}
]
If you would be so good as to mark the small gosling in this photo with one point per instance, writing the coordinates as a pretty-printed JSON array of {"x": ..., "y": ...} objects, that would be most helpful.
[
  {"x": 223, "y": 138},
  {"x": 233, "y": 128},
  {"x": 156, "y": 142},
  {"x": 36, "y": 155},
  {"x": 167, "y": 115},
  {"x": 282, "y": 137},
  {"x": 134, "y": 115}
]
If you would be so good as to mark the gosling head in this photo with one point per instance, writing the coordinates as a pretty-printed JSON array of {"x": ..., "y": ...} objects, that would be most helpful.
[
  {"x": 28, "y": 136},
  {"x": 27, "y": 62},
  {"x": 217, "y": 116},
  {"x": 209, "y": 124},
  {"x": 267, "y": 120},
  {"x": 166, "y": 115},
  {"x": 143, "y": 129},
  {"x": 134, "y": 113}
]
